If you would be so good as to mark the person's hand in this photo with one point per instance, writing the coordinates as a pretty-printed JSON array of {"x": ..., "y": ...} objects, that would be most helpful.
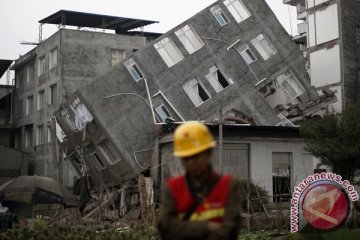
[{"x": 213, "y": 226}]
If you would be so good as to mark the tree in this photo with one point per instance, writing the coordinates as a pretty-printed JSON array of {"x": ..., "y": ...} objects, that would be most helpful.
[{"x": 335, "y": 140}]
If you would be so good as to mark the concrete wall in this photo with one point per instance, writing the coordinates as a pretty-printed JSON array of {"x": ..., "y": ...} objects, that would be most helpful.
[
  {"x": 82, "y": 56},
  {"x": 13, "y": 163},
  {"x": 350, "y": 18}
]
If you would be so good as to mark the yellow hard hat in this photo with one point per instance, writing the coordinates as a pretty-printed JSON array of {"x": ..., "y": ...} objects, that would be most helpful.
[{"x": 191, "y": 138}]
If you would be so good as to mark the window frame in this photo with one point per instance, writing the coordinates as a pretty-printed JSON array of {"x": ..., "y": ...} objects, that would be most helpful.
[
  {"x": 261, "y": 48},
  {"x": 134, "y": 70},
  {"x": 213, "y": 69},
  {"x": 120, "y": 55},
  {"x": 244, "y": 50},
  {"x": 28, "y": 136},
  {"x": 53, "y": 60},
  {"x": 190, "y": 91},
  {"x": 53, "y": 94},
  {"x": 41, "y": 66},
  {"x": 40, "y": 135},
  {"x": 40, "y": 100},
  {"x": 189, "y": 39},
  {"x": 160, "y": 108},
  {"x": 162, "y": 47},
  {"x": 290, "y": 75},
  {"x": 232, "y": 6},
  {"x": 218, "y": 13},
  {"x": 29, "y": 104}
]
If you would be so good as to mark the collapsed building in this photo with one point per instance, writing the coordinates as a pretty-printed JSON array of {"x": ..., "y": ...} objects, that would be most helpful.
[{"x": 233, "y": 57}]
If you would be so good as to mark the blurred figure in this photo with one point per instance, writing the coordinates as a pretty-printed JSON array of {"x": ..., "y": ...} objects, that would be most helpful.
[
  {"x": 7, "y": 220},
  {"x": 201, "y": 204}
]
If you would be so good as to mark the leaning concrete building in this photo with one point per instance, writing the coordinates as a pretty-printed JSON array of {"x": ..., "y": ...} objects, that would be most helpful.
[
  {"x": 46, "y": 76},
  {"x": 233, "y": 57}
]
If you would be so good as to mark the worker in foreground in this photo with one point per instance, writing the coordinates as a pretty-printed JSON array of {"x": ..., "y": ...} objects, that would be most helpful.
[{"x": 200, "y": 204}]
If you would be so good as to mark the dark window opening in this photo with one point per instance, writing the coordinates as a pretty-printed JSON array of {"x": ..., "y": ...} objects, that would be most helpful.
[
  {"x": 203, "y": 95},
  {"x": 98, "y": 160},
  {"x": 222, "y": 80},
  {"x": 138, "y": 71}
]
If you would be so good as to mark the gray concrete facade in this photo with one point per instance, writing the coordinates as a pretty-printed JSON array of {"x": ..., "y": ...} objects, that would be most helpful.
[
  {"x": 72, "y": 59},
  {"x": 260, "y": 70}
]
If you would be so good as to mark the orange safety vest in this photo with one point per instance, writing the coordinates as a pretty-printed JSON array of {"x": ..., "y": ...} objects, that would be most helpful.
[{"x": 211, "y": 209}]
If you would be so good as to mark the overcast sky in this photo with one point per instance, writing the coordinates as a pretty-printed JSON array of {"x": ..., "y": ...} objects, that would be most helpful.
[{"x": 19, "y": 18}]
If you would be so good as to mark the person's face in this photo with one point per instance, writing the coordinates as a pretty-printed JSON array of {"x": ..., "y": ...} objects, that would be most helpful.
[{"x": 197, "y": 165}]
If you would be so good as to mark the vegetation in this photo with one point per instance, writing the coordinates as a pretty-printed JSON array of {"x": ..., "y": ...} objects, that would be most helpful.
[
  {"x": 335, "y": 140},
  {"x": 40, "y": 231},
  {"x": 258, "y": 196}
]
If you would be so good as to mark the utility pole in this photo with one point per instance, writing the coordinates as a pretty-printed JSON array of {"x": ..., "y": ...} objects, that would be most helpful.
[{"x": 221, "y": 157}]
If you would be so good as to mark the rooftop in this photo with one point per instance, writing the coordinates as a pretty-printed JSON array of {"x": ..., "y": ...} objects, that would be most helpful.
[{"x": 82, "y": 19}]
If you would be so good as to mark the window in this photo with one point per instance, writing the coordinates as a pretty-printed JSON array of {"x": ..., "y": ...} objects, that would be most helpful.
[
  {"x": 281, "y": 171},
  {"x": 189, "y": 39},
  {"x": 196, "y": 92},
  {"x": 98, "y": 163},
  {"x": 290, "y": 85},
  {"x": 82, "y": 114},
  {"x": 162, "y": 112},
  {"x": 40, "y": 100},
  {"x": 30, "y": 73},
  {"x": 40, "y": 135},
  {"x": 357, "y": 34},
  {"x": 53, "y": 58},
  {"x": 108, "y": 152},
  {"x": 237, "y": 9},
  {"x": 75, "y": 104},
  {"x": 28, "y": 136},
  {"x": 116, "y": 56},
  {"x": 246, "y": 54},
  {"x": 263, "y": 46},
  {"x": 219, "y": 15},
  {"x": 133, "y": 69},
  {"x": 21, "y": 77},
  {"x": 29, "y": 105},
  {"x": 49, "y": 135},
  {"x": 18, "y": 109},
  {"x": 41, "y": 66},
  {"x": 217, "y": 79},
  {"x": 52, "y": 94},
  {"x": 168, "y": 51}
]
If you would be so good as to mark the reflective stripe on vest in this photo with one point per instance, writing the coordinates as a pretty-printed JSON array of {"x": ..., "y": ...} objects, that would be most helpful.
[{"x": 213, "y": 208}]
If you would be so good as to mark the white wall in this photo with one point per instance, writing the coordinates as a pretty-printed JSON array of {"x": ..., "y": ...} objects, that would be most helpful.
[
  {"x": 261, "y": 161},
  {"x": 327, "y": 25},
  {"x": 312, "y": 3},
  {"x": 325, "y": 66}
]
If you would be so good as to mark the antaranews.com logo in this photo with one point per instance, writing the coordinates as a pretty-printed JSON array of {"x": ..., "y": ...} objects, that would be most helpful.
[{"x": 322, "y": 200}]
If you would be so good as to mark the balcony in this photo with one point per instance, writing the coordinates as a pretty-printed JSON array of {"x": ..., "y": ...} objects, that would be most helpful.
[{"x": 302, "y": 28}]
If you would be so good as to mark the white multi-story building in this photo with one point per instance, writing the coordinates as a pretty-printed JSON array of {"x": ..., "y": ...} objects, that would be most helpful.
[{"x": 330, "y": 39}]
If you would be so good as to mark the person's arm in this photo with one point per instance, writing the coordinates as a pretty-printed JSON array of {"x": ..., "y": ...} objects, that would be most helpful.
[
  {"x": 231, "y": 225},
  {"x": 171, "y": 227}
]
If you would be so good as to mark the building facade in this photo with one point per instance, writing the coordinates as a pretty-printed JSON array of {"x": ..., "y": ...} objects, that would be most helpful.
[
  {"x": 47, "y": 75},
  {"x": 330, "y": 39},
  {"x": 232, "y": 61},
  {"x": 272, "y": 157}
]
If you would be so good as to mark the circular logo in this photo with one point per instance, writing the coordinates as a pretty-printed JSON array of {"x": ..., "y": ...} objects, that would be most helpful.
[{"x": 325, "y": 206}]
